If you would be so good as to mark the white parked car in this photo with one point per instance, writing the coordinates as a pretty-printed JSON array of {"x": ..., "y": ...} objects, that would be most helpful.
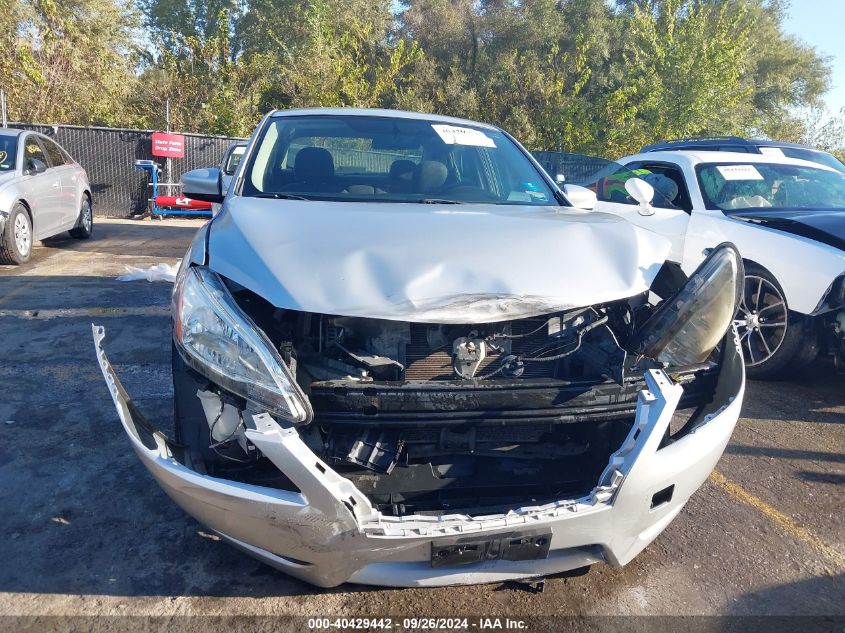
[
  {"x": 43, "y": 192},
  {"x": 787, "y": 218},
  {"x": 401, "y": 357}
]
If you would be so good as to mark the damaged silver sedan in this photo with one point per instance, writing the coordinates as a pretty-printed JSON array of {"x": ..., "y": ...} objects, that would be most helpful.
[{"x": 402, "y": 357}]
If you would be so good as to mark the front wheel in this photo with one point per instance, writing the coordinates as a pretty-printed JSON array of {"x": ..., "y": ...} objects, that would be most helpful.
[
  {"x": 774, "y": 338},
  {"x": 85, "y": 223},
  {"x": 16, "y": 240}
]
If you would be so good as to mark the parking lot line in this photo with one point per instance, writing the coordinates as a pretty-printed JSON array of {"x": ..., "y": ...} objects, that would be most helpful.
[
  {"x": 786, "y": 523},
  {"x": 85, "y": 312}
]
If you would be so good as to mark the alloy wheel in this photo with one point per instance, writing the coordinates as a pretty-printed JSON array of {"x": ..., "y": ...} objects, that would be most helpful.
[
  {"x": 761, "y": 320},
  {"x": 22, "y": 234},
  {"x": 87, "y": 220}
]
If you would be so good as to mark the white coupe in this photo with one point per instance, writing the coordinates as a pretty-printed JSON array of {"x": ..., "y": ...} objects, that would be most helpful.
[{"x": 786, "y": 216}]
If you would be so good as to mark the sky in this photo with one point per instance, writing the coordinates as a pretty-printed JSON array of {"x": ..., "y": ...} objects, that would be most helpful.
[{"x": 820, "y": 23}]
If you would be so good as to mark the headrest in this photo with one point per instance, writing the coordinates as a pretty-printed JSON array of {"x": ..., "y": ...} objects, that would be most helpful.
[
  {"x": 313, "y": 163},
  {"x": 664, "y": 185},
  {"x": 402, "y": 168},
  {"x": 430, "y": 176}
]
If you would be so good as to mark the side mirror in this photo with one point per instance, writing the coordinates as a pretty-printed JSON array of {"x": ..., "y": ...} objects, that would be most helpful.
[
  {"x": 643, "y": 193},
  {"x": 580, "y": 197},
  {"x": 203, "y": 184},
  {"x": 37, "y": 166},
  {"x": 560, "y": 179}
]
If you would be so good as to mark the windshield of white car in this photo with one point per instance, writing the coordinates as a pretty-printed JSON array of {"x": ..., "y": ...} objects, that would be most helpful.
[
  {"x": 770, "y": 187},
  {"x": 814, "y": 156},
  {"x": 8, "y": 143},
  {"x": 383, "y": 159}
]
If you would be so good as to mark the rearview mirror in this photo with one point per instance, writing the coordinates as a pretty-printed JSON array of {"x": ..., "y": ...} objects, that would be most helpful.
[
  {"x": 580, "y": 197},
  {"x": 203, "y": 184},
  {"x": 37, "y": 166},
  {"x": 643, "y": 193}
]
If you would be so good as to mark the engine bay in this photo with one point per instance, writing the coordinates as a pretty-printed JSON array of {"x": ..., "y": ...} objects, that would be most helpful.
[{"x": 432, "y": 418}]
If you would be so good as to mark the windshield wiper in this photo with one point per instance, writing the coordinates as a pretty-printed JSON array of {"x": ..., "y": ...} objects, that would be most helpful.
[
  {"x": 438, "y": 201},
  {"x": 280, "y": 196}
]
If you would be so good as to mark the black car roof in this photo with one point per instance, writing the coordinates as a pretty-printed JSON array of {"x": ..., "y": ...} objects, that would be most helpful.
[{"x": 723, "y": 141}]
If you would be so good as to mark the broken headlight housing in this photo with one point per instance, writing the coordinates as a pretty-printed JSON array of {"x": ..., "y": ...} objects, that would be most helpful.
[
  {"x": 216, "y": 339},
  {"x": 688, "y": 326}
]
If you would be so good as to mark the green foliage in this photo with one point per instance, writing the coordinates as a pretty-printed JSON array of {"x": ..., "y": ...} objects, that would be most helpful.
[
  {"x": 687, "y": 64},
  {"x": 69, "y": 60},
  {"x": 580, "y": 75}
]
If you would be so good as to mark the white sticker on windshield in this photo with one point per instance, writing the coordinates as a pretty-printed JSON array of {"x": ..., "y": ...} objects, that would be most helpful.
[
  {"x": 454, "y": 135},
  {"x": 772, "y": 151},
  {"x": 739, "y": 172},
  {"x": 238, "y": 151}
]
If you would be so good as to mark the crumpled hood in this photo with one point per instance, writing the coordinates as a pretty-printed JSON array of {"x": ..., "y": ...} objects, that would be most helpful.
[
  {"x": 827, "y": 227},
  {"x": 430, "y": 263}
]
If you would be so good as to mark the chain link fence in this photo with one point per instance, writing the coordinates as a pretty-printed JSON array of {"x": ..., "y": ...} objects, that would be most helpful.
[
  {"x": 577, "y": 169},
  {"x": 108, "y": 155}
]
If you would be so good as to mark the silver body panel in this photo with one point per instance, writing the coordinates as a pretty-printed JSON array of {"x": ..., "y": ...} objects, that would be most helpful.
[
  {"x": 358, "y": 259},
  {"x": 53, "y": 198}
]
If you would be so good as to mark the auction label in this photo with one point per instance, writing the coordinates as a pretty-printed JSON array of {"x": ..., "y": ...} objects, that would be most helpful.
[
  {"x": 739, "y": 172},
  {"x": 456, "y": 135}
]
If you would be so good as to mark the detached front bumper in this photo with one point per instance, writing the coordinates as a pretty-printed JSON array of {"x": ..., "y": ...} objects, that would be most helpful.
[{"x": 329, "y": 533}]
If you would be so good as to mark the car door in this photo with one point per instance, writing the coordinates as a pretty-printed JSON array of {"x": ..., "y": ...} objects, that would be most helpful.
[
  {"x": 69, "y": 198},
  {"x": 671, "y": 203},
  {"x": 44, "y": 189}
]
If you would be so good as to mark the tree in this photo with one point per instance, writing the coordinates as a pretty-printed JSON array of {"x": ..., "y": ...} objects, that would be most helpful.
[
  {"x": 69, "y": 60},
  {"x": 687, "y": 68},
  {"x": 171, "y": 22},
  {"x": 785, "y": 72},
  {"x": 209, "y": 86}
]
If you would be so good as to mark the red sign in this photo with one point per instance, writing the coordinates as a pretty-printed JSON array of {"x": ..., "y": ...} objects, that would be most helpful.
[{"x": 168, "y": 145}]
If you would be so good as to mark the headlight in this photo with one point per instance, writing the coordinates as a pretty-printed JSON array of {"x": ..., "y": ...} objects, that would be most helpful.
[
  {"x": 223, "y": 344},
  {"x": 688, "y": 326}
]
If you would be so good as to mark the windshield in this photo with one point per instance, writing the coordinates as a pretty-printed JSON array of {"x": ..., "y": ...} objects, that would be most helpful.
[
  {"x": 732, "y": 186},
  {"x": 813, "y": 156},
  {"x": 384, "y": 159},
  {"x": 232, "y": 159},
  {"x": 8, "y": 143}
]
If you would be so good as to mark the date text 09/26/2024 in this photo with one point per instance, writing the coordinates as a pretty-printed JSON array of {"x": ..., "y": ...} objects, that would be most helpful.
[{"x": 412, "y": 624}]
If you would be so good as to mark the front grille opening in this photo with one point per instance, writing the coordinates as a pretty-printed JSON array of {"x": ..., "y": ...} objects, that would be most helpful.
[{"x": 482, "y": 470}]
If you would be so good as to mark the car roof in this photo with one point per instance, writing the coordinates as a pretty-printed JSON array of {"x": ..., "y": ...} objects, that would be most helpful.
[
  {"x": 8, "y": 131},
  {"x": 692, "y": 158},
  {"x": 393, "y": 114},
  {"x": 723, "y": 141}
]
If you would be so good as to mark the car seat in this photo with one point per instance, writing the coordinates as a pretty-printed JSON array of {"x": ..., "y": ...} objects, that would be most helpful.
[
  {"x": 401, "y": 175},
  {"x": 313, "y": 171}
]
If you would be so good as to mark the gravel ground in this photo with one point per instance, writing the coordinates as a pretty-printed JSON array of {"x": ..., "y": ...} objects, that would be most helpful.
[{"x": 86, "y": 531}]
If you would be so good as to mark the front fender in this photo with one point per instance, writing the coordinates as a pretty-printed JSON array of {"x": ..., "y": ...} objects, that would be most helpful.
[{"x": 803, "y": 267}]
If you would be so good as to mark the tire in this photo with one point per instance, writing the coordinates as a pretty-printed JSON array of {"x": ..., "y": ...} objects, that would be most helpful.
[
  {"x": 85, "y": 223},
  {"x": 16, "y": 240},
  {"x": 775, "y": 340}
]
